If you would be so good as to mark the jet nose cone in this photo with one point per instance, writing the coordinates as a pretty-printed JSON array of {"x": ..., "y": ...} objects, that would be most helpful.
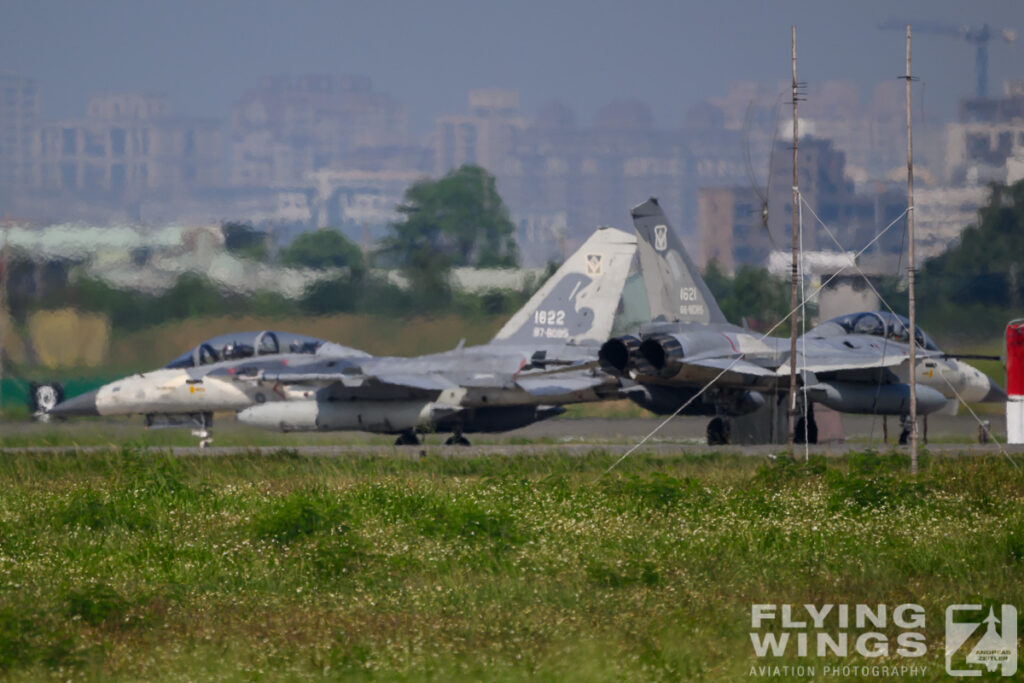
[
  {"x": 995, "y": 394},
  {"x": 79, "y": 406}
]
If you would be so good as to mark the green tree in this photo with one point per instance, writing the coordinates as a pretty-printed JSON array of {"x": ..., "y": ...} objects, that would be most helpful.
[
  {"x": 987, "y": 266},
  {"x": 322, "y": 249},
  {"x": 753, "y": 294},
  {"x": 192, "y": 296},
  {"x": 244, "y": 240},
  {"x": 756, "y": 294},
  {"x": 458, "y": 220},
  {"x": 718, "y": 282}
]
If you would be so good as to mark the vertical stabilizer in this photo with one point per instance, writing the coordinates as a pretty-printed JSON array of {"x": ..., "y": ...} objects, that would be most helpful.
[
  {"x": 577, "y": 304},
  {"x": 675, "y": 289}
]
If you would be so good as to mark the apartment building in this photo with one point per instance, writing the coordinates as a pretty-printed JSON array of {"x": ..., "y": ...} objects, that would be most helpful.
[
  {"x": 287, "y": 128},
  {"x": 19, "y": 118},
  {"x": 127, "y": 145},
  {"x": 988, "y": 141}
]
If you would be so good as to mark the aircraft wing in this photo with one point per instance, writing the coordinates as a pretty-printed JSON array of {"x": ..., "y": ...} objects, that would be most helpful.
[
  {"x": 425, "y": 382},
  {"x": 356, "y": 385},
  {"x": 840, "y": 354},
  {"x": 741, "y": 367}
]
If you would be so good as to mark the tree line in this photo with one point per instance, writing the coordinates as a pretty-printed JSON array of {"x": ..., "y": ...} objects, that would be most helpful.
[
  {"x": 457, "y": 220},
  {"x": 460, "y": 220},
  {"x": 978, "y": 284}
]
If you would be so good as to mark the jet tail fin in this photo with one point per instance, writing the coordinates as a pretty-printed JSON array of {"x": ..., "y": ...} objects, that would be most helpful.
[
  {"x": 578, "y": 303},
  {"x": 675, "y": 288}
]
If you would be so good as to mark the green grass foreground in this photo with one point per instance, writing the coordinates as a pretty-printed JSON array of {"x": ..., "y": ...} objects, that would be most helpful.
[{"x": 140, "y": 566}]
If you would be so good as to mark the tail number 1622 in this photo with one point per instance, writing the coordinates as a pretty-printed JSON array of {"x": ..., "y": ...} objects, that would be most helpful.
[{"x": 549, "y": 317}]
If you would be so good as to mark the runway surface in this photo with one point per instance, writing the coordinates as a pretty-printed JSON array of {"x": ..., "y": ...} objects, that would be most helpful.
[{"x": 572, "y": 437}]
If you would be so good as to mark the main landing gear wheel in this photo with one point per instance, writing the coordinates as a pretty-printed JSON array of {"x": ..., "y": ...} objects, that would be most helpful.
[
  {"x": 719, "y": 431},
  {"x": 810, "y": 431},
  {"x": 456, "y": 440},
  {"x": 407, "y": 439}
]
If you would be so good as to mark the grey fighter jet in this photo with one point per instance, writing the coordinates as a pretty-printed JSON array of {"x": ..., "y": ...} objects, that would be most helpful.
[
  {"x": 544, "y": 357},
  {"x": 853, "y": 364}
]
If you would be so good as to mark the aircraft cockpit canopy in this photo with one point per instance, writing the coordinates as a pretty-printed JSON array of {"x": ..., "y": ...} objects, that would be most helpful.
[
  {"x": 238, "y": 346},
  {"x": 883, "y": 324}
]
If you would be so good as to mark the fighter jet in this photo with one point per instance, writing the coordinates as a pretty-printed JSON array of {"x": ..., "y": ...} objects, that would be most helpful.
[
  {"x": 544, "y": 357},
  {"x": 188, "y": 390},
  {"x": 853, "y": 364}
]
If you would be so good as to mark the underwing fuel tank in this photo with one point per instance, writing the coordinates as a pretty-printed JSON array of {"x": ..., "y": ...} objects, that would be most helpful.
[
  {"x": 666, "y": 400},
  {"x": 388, "y": 417},
  {"x": 884, "y": 399}
]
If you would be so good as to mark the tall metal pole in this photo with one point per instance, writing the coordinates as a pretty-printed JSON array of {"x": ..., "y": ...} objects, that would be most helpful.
[
  {"x": 4, "y": 313},
  {"x": 910, "y": 275},
  {"x": 793, "y": 298}
]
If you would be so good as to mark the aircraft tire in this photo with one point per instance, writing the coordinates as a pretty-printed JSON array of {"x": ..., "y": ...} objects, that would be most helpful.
[
  {"x": 407, "y": 439},
  {"x": 719, "y": 431},
  {"x": 812, "y": 430},
  {"x": 456, "y": 440}
]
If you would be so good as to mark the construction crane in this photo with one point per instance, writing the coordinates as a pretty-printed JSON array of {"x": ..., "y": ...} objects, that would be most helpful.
[{"x": 978, "y": 36}]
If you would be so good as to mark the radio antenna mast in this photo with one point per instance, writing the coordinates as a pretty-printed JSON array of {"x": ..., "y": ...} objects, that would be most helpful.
[
  {"x": 910, "y": 273},
  {"x": 794, "y": 318}
]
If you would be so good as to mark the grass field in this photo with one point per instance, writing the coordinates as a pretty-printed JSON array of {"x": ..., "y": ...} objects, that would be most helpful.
[{"x": 133, "y": 566}]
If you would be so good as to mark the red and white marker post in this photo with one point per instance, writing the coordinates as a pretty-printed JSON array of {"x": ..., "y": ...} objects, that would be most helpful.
[{"x": 1015, "y": 381}]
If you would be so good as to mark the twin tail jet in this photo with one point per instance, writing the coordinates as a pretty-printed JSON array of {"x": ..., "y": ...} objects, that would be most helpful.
[{"x": 690, "y": 354}]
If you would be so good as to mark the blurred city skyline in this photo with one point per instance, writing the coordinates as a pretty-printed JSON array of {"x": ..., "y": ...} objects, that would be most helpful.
[
  {"x": 582, "y": 53},
  {"x": 296, "y": 116}
]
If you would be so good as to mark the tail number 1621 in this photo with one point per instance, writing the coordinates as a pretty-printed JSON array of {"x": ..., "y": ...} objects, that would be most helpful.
[{"x": 687, "y": 293}]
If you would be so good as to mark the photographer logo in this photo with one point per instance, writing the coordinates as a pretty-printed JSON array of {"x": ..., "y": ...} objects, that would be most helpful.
[{"x": 980, "y": 640}]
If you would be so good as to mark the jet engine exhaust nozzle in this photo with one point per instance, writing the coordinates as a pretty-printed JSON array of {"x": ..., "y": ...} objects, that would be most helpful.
[
  {"x": 664, "y": 353},
  {"x": 617, "y": 355}
]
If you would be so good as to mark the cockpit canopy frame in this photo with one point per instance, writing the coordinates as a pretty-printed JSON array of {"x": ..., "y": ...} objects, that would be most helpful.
[
  {"x": 241, "y": 345},
  {"x": 884, "y": 324}
]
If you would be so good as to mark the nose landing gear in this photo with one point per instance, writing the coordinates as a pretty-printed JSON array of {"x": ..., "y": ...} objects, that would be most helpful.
[
  {"x": 201, "y": 424},
  {"x": 205, "y": 437}
]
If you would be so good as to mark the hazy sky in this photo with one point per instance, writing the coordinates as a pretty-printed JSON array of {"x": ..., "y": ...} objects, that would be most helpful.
[{"x": 428, "y": 54}]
